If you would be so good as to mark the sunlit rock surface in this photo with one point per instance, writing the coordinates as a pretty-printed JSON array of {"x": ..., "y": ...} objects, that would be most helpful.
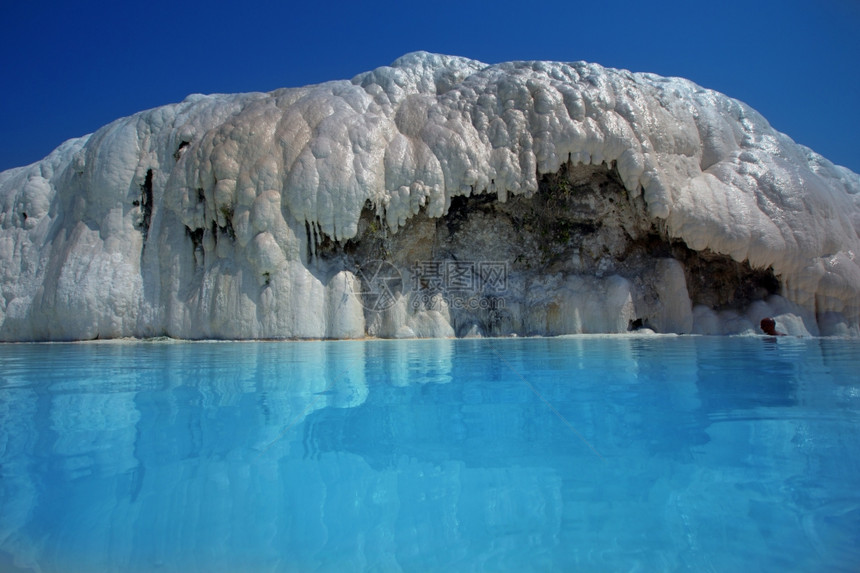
[{"x": 438, "y": 196}]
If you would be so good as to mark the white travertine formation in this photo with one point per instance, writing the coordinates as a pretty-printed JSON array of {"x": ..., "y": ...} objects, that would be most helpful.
[{"x": 201, "y": 219}]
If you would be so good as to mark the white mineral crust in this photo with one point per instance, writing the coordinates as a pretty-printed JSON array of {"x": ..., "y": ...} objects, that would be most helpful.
[{"x": 201, "y": 219}]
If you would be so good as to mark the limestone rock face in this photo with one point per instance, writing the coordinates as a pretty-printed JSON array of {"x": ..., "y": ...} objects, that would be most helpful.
[{"x": 438, "y": 196}]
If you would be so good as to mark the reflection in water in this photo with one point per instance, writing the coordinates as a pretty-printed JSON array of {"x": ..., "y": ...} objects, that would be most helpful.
[{"x": 430, "y": 455}]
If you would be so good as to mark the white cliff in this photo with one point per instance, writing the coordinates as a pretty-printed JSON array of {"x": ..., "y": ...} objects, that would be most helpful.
[{"x": 610, "y": 199}]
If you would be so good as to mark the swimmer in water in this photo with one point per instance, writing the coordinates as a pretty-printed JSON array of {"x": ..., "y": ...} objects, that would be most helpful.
[{"x": 768, "y": 326}]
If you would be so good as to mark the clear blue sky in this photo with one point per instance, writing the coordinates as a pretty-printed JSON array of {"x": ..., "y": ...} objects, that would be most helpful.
[{"x": 68, "y": 68}]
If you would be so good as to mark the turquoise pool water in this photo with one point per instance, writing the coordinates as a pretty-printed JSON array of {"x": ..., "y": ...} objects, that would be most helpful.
[{"x": 570, "y": 454}]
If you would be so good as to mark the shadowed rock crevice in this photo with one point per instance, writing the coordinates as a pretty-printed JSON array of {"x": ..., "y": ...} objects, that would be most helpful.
[
  {"x": 145, "y": 203},
  {"x": 196, "y": 237}
]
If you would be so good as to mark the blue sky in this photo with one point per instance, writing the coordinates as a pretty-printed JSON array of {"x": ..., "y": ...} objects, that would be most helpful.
[{"x": 69, "y": 68}]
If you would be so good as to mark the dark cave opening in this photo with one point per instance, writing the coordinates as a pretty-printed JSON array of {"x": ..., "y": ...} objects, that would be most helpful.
[{"x": 581, "y": 221}]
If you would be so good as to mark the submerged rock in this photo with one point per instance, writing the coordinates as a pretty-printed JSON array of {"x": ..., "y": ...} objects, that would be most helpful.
[{"x": 437, "y": 196}]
